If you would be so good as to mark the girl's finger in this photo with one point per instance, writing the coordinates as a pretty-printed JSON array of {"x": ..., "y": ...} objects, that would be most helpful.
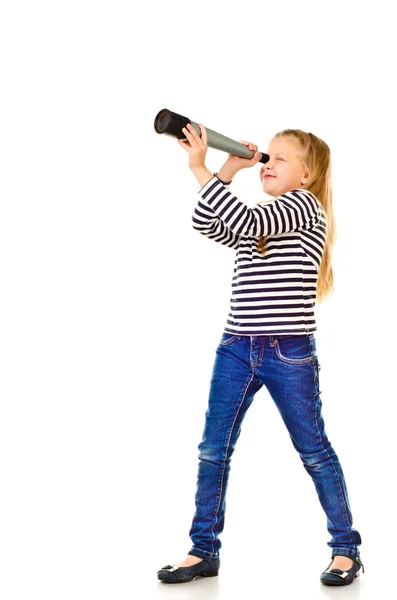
[
  {"x": 186, "y": 131},
  {"x": 248, "y": 144},
  {"x": 192, "y": 130},
  {"x": 183, "y": 144},
  {"x": 201, "y": 141},
  {"x": 203, "y": 133},
  {"x": 192, "y": 137}
]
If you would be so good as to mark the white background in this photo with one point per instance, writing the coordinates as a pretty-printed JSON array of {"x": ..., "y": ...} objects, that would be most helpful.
[{"x": 112, "y": 306}]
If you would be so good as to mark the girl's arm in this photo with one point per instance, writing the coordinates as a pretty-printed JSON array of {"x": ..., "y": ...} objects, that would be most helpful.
[
  {"x": 207, "y": 222},
  {"x": 298, "y": 209}
]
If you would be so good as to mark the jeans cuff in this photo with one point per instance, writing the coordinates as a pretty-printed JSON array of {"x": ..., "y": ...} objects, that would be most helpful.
[
  {"x": 202, "y": 554},
  {"x": 345, "y": 552}
]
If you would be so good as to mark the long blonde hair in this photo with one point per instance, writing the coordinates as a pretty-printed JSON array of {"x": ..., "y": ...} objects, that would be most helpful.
[{"x": 315, "y": 156}]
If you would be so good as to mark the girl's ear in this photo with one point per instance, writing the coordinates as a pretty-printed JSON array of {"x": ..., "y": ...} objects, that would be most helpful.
[{"x": 305, "y": 177}]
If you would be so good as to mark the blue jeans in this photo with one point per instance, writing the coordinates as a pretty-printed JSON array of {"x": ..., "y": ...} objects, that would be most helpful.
[{"x": 288, "y": 366}]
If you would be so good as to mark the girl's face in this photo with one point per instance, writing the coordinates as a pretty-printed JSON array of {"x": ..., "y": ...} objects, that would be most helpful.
[{"x": 284, "y": 171}]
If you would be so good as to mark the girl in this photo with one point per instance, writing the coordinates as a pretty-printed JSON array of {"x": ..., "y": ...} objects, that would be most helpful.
[{"x": 283, "y": 265}]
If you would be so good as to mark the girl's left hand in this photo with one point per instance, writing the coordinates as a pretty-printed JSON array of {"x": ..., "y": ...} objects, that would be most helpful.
[{"x": 196, "y": 146}]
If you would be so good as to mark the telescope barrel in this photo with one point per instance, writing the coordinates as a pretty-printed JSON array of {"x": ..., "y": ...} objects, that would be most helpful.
[{"x": 171, "y": 124}]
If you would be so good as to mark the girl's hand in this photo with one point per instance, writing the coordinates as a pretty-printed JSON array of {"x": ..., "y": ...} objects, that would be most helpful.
[
  {"x": 235, "y": 163},
  {"x": 196, "y": 146}
]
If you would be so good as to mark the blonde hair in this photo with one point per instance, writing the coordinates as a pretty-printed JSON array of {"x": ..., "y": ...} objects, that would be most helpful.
[{"x": 315, "y": 156}]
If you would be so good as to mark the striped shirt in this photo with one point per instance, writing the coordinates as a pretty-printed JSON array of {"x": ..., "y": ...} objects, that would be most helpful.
[{"x": 275, "y": 293}]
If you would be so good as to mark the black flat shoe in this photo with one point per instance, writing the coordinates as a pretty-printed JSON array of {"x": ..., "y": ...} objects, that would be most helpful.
[
  {"x": 339, "y": 577},
  {"x": 205, "y": 568}
]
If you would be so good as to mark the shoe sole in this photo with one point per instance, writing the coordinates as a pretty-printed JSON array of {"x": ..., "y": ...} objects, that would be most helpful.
[{"x": 206, "y": 574}]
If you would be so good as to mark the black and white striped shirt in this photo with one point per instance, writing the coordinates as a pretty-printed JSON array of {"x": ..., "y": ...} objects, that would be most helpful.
[{"x": 275, "y": 293}]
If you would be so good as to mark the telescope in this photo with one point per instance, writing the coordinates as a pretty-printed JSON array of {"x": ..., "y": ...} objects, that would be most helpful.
[{"x": 171, "y": 124}]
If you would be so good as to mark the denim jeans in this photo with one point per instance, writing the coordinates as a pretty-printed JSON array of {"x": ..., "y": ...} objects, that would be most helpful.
[{"x": 289, "y": 368}]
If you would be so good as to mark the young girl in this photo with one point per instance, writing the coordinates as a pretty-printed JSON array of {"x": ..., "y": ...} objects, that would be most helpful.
[{"x": 283, "y": 265}]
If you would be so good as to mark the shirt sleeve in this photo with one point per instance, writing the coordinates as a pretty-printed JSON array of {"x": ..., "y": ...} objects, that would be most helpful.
[
  {"x": 208, "y": 223},
  {"x": 292, "y": 211}
]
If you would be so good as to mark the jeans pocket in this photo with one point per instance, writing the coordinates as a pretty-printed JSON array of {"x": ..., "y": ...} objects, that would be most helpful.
[
  {"x": 228, "y": 338},
  {"x": 294, "y": 350}
]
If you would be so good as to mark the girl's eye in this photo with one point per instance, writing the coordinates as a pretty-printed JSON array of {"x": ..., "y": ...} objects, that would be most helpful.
[{"x": 280, "y": 158}]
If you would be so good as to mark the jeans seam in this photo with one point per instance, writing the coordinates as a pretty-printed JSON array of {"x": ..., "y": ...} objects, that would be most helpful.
[
  {"x": 224, "y": 460},
  {"x": 228, "y": 340},
  {"x": 316, "y": 366},
  {"x": 333, "y": 466}
]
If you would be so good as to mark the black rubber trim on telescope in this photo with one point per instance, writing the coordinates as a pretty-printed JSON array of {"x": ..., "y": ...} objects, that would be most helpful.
[
  {"x": 170, "y": 123},
  {"x": 265, "y": 158}
]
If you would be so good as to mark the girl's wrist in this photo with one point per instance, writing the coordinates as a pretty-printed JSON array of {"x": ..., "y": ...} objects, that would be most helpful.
[
  {"x": 225, "y": 174},
  {"x": 222, "y": 180},
  {"x": 202, "y": 174}
]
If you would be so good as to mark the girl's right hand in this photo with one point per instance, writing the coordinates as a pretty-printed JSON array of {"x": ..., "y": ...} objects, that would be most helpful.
[{"x": 236, "y": 163}]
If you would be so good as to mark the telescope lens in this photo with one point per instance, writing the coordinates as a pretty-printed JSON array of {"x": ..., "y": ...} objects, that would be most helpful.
[{"x": 163, "y": 120}]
